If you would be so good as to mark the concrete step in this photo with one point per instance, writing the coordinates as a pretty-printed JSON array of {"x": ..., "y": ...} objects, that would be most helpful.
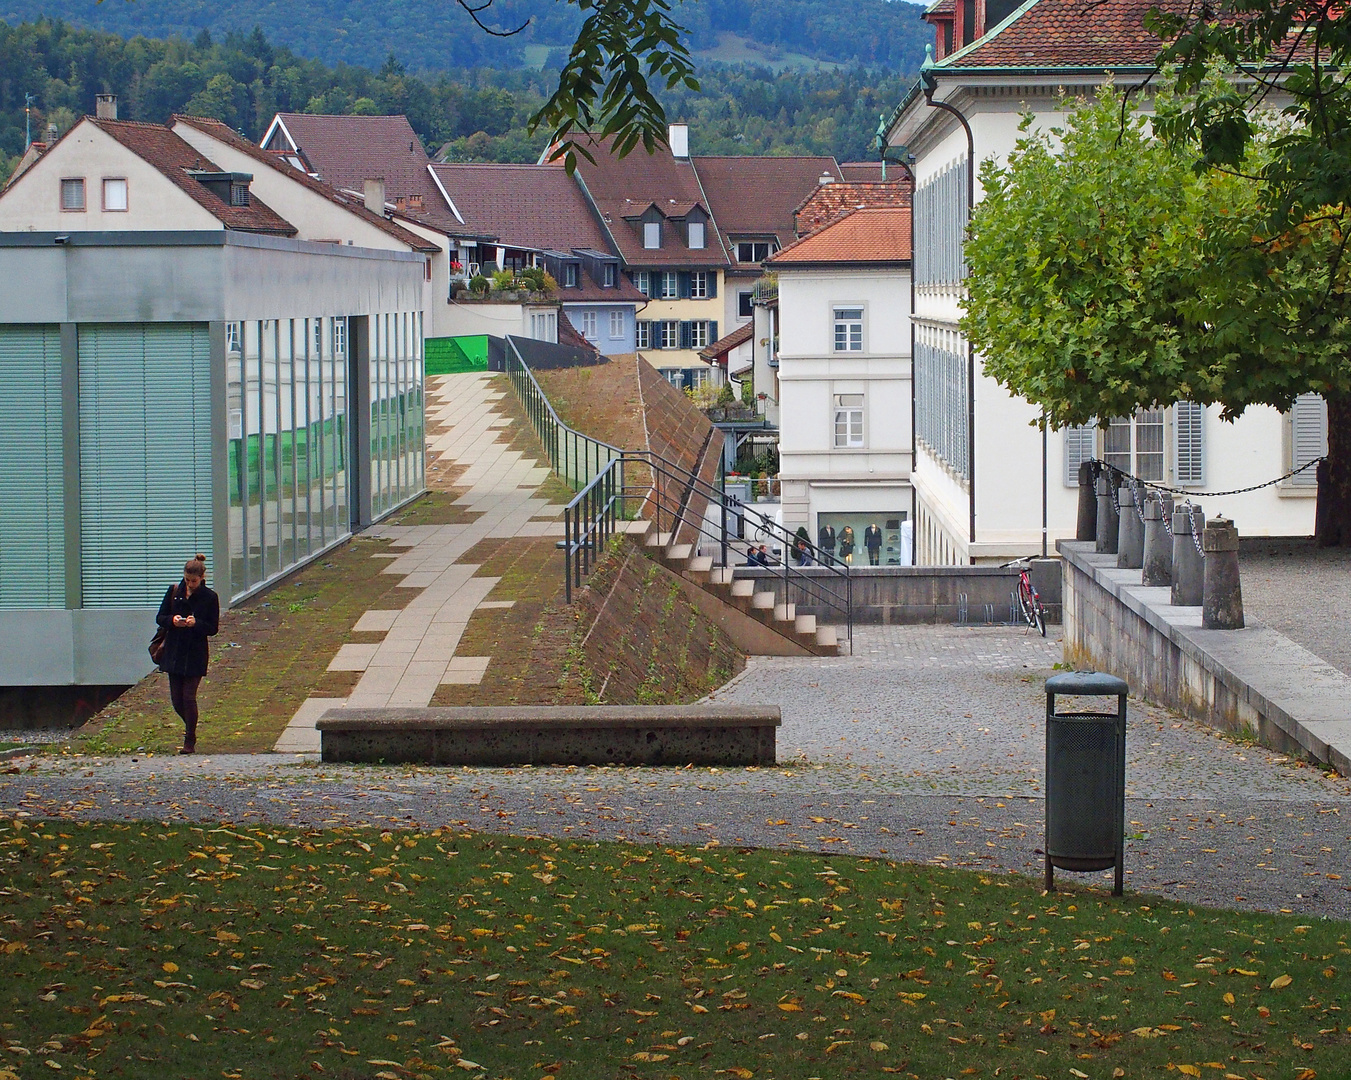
[
  {"x": 805, "y": 624},
  {"x": 699, "y": 568},
  {"x": 636, "y": 528},
  {"x": 720, "y": 575},
  {"x": 744, "y": 588},
  {"x": 679, "y": 552},
  {"x": 785, "y": 613},
  {"x": 762, "y": 601},
  {"x": 657, "y": 539},
  {"x": 827, "y": 637}
]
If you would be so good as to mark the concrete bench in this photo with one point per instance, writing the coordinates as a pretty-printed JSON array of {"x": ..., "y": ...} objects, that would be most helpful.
[{"x": 673, "y": 735}]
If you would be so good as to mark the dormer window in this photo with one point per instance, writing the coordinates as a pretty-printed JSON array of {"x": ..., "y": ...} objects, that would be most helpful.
[
  {"x": 239, "y": 194},
  {"x": 696, "y": 234},
  {"x": 611, "y": 275},
  {"x": 754, "y": 250},
  {"x": 651, "y": 234},
  {"x": 570, "y": 275}
]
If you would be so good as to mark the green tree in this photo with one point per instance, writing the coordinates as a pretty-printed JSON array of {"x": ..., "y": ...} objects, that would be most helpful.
[
  {"x": 1108, "y": 274},
  {"x": 1299, "y": 51}
]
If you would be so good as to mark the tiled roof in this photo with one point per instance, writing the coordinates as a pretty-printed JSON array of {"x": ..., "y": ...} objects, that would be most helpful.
[
  {"x": 941, "y": 7},
  {"x": 829, "y": 201},
  {"x": 860, "y": 171},
  {"x": 216, "y": 130},
  {"x": 570, "y": 335},
  {"x": 1068, "y": 34},
  {"x": 623, "y": 188},
  {"x": 529, "y": 206},
  {"x": 346, "y": 151},
  {"x": 175, "y": 159},
  {"x": 588, "y": 290},
  {"x": 727, "y": 343},
  {"x": 756, "y": 196},
  {"x": 874, "y": 237}
]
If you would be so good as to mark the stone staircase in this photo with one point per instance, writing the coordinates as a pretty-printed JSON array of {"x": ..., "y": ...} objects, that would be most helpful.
[{"x": 741, "y": 594}]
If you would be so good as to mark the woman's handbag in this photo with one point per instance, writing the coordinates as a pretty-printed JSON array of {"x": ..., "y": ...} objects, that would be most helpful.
[{"x": 158, "y": 642}]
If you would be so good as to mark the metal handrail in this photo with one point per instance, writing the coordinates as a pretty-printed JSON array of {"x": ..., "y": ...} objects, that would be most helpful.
[{"x": 575, "y": 457}]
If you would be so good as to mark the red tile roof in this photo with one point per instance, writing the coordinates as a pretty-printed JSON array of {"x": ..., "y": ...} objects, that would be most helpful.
[
  {"x": 863, "y": 171},
  {"x": 529, "y": 206},
  {"x": 862, "y": 237},
  {"x": 346, "y": 151},
  {"x": 176, "y": 159},
  {"x": 1068, "y": 34},
  {"x": 756, "y": 196},
  {"x": 624, "y": 187},
  {"x": 216, "y": 130},
  {"x": 588, "y": 290},
  {"x": 829, "y": 201},
  {"x": 727, "y": 343}
]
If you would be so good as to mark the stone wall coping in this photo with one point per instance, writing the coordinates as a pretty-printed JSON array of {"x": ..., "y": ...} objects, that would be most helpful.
[
  {"x": 1299, "y": 691},
  {"x": 569, "y": 717}
]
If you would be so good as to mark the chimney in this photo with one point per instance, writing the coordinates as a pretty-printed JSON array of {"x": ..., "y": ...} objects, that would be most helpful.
[
  {"x": 678, "y": 136},
  {"x": 375, "y": 196},
  {"x": 53, "y": 133},
  {"x": 105, "y": 106},
  {"x": 826, "y": 178}
]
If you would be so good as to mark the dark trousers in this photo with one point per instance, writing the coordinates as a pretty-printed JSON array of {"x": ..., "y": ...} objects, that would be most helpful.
[
  {"x": 183, "y": 695},
  {"x": 874, "y": 556}
]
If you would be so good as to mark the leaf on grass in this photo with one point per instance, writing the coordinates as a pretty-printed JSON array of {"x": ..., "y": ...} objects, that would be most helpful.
[
  {"x": 1081, "y": 1075},
  {"x": 1280, "y": 982},
  {"x": 878, "y": 1046},
  {"x": 790, "y": 1006},
  {"x": 252, "y": 984},
  {"x": 170, "y": 967},
  {"x": 1189, "y": 1070},
  {"x": 741, "y": 1072},
  {"x": 644, "y": 1055},
  {"x": 698, "y": 1008},
  {"x": 225, "y": 937},
  {"x": 1306, "y": 1074},
  {"x": 1146, "y": 1032},
  {"x": 1228, "y": 998},
  {"x": 465, "y": 1063}
]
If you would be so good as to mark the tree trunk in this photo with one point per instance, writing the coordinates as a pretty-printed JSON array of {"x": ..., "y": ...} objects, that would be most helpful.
[{"x": 1332, "y": 526}]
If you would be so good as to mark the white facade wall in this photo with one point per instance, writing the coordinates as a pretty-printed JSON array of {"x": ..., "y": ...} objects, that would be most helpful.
[
  {"x": 33, "y": 202},
  {"x": 1008, "y": 457},
  {"x": 818, "y": 477}
]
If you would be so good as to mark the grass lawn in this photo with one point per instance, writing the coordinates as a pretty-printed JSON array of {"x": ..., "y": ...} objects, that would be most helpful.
[{"x": 247, "y": 952}]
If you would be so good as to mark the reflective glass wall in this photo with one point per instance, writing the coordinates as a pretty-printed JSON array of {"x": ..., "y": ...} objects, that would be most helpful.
[{"x": 396, "y": 376}]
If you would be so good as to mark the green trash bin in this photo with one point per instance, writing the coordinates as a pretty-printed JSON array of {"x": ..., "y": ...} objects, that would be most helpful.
[{"x": 1085, "y": 778}]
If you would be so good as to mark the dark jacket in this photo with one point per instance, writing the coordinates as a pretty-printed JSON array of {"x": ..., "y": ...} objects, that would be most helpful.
[
  {"x": 185, "y": 649},
  {"x": 872, "y": 538}
]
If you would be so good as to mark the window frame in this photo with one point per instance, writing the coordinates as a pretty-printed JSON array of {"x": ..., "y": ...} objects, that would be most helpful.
[
  {"x": 699, "y": 334},
  {"x": 611, "y": 275},
  {"x": 616, "y": 324},
  {"x": 590, "y": 327},
  {"x": 669, "y": 288},
  {"x": 702, "y": 233},
  {"x": 651, "y": 232},
  {"x": 1141, "y": 423},
  {"x": 854, "y": 328},
  {"x": 745, "y": 304},
  {"x": 83, "y": 189},
  {"x": 571, "y": 275},
  {"x": 668, "y": 331},
  {"x": 855, "y": 419},
  {"x": 126, "y": 195},
  {"x": 642, "y": 281},
  {"x": 642, "y": 334},
  {"x": 698, "y": 284}
]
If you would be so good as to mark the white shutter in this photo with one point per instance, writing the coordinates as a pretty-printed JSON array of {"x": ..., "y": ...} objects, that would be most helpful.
[
  {"x": 145, "y": 458},
  {"x": 1308, "y": 436},
  {"x": 1189, "y": 429},
  {"x": 1081, "y": 444},
  {"x": 32, "y": 515}
]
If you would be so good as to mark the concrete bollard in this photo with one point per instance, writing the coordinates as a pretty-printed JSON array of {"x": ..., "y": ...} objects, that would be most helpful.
[
  {"x": 1130, "y": 545},
  {"x": 1108, "y": 528},
  {"x": 1157, "y": 563},
  {"x": 1087, "y": 526},
  {"x": 1222, "y": 602},
  {"x": 1188, "y": 565}
]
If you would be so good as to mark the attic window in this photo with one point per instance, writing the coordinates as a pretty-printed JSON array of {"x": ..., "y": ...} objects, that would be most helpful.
[
  {"x": 72, "y": 194},
  {"x": 570, "y": 275},
  {"x": 752, "y": 251},
  {"x": 114, "y": 194},
  {"x": 652, "y": 234},
  {"x": 696, "y": 229},
  {"x": 611, "y": 275},
  {"x": 239, "y": 194}
]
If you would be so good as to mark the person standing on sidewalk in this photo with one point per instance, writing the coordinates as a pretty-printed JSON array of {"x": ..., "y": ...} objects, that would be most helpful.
[{"x": 189, "y": 614}]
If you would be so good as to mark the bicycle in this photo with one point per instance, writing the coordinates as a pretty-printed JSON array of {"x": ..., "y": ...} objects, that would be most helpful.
[{"x": 1029, "y": 602}]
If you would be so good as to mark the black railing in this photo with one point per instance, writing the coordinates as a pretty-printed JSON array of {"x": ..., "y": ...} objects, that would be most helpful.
[
  {"x": 576, "y": 458},
  {"x": 615, "y": 485}
]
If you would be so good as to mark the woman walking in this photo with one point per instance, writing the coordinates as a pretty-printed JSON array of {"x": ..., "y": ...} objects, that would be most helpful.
[{"x": 189, "y": 614}]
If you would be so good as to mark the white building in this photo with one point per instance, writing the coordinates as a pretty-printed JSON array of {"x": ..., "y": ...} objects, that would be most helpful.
[
  {"x": 844, "y": 383},
  {"x": 979, "y": 466}
]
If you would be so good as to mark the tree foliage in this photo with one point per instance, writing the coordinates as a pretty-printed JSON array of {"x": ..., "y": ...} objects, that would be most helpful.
[{"x": 1108, "y": 274}]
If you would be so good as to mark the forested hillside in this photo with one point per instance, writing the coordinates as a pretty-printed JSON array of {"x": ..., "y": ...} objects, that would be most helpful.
[
  {"x": 243, "y": 79},
  {"x": 440, "y": 37}
]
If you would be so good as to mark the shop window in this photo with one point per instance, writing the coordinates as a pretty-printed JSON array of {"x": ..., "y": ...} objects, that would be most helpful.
[{"x": 866, "y": 538}]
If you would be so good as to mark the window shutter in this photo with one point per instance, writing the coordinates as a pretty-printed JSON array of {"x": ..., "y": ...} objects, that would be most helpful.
[
  {"x": 712, "y": 284},
  {"x": 145, "y": 458},
  {"x": 1308, "y": 436},
  {"x": 32, "y": 524},
  {"x": 1189, "y": 421},
  {"x": 1081, "y": 444},
  {"x": 683, "y": 286},
  {"x": 712, "y": 331},
  {"x": 685, "y": 336}
]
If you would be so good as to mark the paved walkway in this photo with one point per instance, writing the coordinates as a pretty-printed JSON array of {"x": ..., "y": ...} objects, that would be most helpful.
[
  {"x": 925, "y": 746},
  {"x": 418, "y": 654},
  {"x": 1301, "y": 591}
]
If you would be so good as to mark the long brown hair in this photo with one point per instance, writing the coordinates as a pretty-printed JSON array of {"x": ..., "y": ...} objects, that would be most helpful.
[{"x": 195, "y": 567}]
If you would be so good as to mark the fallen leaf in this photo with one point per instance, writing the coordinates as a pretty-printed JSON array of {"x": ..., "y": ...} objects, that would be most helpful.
[
  {"x": 1306, "y": 1074},
  {"x": 1146, "y": 1032},
  {"x": 465, "y": 1063},
  {"x": 1280, "y": 982},
  {"x": 1228, "y": 998},
  {"x": 878, "y": 1046},
  {"x": 1081, "y": 1075},
  {"x": 643, "y": 1055},
  {"x": 252, "y": 984},
  {"x": 170, "y": 967},
  {"x": 790, "y": 1006},
  {"x": 741, "y": 1071},
  {"x": 1189, "y": 1070}
]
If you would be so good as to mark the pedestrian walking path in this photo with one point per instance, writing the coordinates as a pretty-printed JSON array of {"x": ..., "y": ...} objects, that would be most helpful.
[{"x": 418, "y": 652}]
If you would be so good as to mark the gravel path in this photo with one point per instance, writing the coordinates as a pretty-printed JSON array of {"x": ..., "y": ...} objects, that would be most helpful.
[
  {"x": 1302, "y": 591},
  {"x": 926, "y": 746}
]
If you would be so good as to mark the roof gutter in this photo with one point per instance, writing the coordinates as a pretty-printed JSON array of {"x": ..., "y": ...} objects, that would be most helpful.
[{"x": 930, "y": 85}]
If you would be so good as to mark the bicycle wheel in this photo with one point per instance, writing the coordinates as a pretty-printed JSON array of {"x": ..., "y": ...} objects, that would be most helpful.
[{"x": 1030, "y": 603}]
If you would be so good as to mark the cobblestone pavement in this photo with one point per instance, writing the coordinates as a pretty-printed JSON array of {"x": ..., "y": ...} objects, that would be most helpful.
[
  {"x": 1303, "y": 592},
  {"x": 925, "y": 745}
]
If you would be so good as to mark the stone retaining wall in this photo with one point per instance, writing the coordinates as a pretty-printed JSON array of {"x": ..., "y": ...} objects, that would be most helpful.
[{"x": 1253, "y": 682}]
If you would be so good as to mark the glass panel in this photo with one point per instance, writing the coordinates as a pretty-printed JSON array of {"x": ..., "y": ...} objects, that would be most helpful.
[
  {"x": 1116, "y": 444},
  {"x": 1149, "y": 444},
  {"x": 253, "y": 435},
  {"x": 342, "y": 521},
  {"x": 272, "y": 464},
  {"x": 237, "y": 439}
]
